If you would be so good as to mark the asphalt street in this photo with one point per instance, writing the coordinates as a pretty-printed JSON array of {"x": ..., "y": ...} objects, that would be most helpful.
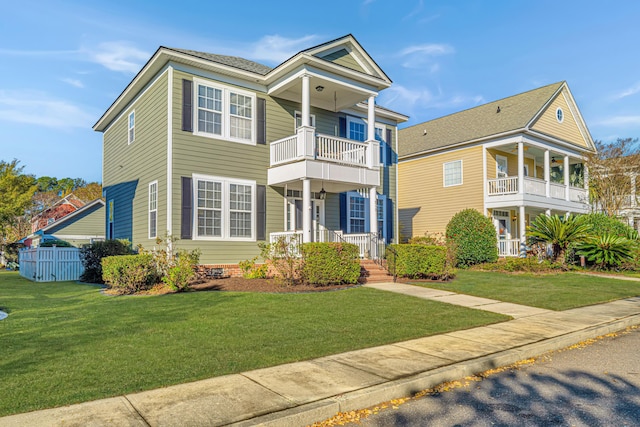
[{"x": 594, "y": 385}]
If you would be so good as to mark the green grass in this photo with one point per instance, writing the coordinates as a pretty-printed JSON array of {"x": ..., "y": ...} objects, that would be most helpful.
[
  {"x": 560, "y": 291},
  {"x": 65, "y": 342}
]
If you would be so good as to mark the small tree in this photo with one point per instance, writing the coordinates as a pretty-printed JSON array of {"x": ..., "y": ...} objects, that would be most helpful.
[
  {"x": 473, "y": 238},
  {"x": 560, "y": 232}
]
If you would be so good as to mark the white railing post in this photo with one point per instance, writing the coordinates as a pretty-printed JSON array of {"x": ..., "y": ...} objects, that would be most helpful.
[{"x": 566, "y": 178}]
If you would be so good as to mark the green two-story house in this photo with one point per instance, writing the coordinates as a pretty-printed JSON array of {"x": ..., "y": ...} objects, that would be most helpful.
[{"x": 224, "y": 153}]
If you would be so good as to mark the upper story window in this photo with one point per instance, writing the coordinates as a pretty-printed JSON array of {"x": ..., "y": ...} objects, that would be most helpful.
[
  {"x": 356, "y": 129},
  {"x": 559, "y": 115},
  {"x": 452, "y": 173},
  {"x": 225, "y": 112},
  {"x": 225, "y": 208},
  {"x": 132, "y": 127},
  {"x": 298, "y": 117}
]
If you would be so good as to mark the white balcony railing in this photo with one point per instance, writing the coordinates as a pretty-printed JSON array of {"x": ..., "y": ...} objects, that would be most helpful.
[
  {"x": 509, "y": 247},
  {"x": 557, "y": 191},
  {"x": 577, "y": 194},
  {"x": 535, "y": 186},
  {"x": 324, "y": 147},
  {"x": 498, "y": 186}
]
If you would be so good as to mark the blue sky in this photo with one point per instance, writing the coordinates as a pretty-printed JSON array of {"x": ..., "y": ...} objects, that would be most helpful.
[{"x": 62, "y": 63}]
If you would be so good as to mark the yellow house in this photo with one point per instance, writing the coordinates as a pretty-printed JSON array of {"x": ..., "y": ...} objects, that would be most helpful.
[{"x": 511, "y": 159}]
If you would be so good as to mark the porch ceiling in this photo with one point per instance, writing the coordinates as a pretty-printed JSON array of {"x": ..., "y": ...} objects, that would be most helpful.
[{"x": 537, "y": 153}]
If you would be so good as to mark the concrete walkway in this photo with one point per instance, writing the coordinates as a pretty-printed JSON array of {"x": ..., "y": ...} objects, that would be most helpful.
[{"x": 301, "y": 393}]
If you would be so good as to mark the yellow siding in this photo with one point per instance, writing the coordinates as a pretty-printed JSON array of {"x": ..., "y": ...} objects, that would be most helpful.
[
  {"x": 568, "y": 130},
  {"x": 425, "y": 205}
]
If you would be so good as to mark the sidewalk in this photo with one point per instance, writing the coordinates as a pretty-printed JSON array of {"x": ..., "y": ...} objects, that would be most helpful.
[{"x": 301, "y": 393}]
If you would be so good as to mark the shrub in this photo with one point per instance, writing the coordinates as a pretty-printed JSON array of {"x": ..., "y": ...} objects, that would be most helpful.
[
  {"x": 607, "y": 251},
  {"x": 436, "y": 239},
  {"x": 417, "y": 261},
  {"x": 252, "y": 271},
  {"x": 330, "y": 263},
  {"x": 559, "y": 232},
  {"x": 601, "y": 224},
  {"x": 524, "y": 265},
  {"x": 57, "y": 243},
  {"x": 283, "y": 256},
  {"x": 174, "y": 268},
  {"x": 92, "y": 255},
  {"x": 129, "y": 273},
  {"x": 472, "y": 237}
]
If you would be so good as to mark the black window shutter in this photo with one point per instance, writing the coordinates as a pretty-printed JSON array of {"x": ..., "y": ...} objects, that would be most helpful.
[
  {"x": 343, "y": 212},
  {"x": 261, "y": 212},
  {"x": 187, "y": 105},
  {"x": 261, "y": 121},
  {"x": 389, "y": 147},
  {"x": 186, "y": 221},
  {"x": 390, "y": 221},
  {"x": 342, "y": 128}
]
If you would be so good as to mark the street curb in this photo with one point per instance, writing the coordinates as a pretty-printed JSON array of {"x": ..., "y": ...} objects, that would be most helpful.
[{"x": 324, "y": 409}]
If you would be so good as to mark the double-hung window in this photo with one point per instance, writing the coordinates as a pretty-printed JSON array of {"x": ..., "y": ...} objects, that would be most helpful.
[
  {"x": 225, "y": 208},
  {"x": 153, "y": 210},
  {"x": 357, "y": 214},
  {"x": 131, "y": 127},
  {"x": 452, "y": 173},
  {"x": 356, "y": 129},
  {"x": 224, "y": 112}
]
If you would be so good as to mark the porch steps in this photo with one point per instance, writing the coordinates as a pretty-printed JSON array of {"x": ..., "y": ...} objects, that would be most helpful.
[{"x": 370, "y": 272}]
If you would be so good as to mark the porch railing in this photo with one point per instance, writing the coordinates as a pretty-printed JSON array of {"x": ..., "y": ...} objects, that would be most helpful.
[
  {"x": 509, "y": 247},
  {"x": 508, "y": 185},
  {"x": 577, "y": 194},
  {"x": 535, "y": 186},
  {"x": 557, "y": 191},
  {"x": 324, "y": 147},
  {"x": 369, "y": 245}
]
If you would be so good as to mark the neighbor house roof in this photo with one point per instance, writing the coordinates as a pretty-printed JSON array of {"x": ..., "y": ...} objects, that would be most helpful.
[{"x": 499, "y": 117}]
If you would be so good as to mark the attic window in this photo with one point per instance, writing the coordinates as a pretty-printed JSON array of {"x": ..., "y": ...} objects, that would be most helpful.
[{"x": 559, "y": 115}]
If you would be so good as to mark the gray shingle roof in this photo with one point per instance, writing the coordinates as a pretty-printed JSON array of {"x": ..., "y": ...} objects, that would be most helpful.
[
  {"x": 482, "y": 121},
  {"x": 231, "y": 61}
]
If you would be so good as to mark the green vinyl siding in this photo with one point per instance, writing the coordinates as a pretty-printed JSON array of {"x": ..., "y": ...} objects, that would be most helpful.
[
  {"x": 140, "y": 162},
  {"x": 87, "y": 223},
  {"x": 344, "y": 58}
]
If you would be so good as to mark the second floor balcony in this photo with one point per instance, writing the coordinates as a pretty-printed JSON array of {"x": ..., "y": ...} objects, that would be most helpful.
[{"x": 508, "y": 186}]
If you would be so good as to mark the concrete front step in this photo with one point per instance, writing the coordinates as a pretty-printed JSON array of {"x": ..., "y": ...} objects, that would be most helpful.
[{"x": 370, "y": 272}]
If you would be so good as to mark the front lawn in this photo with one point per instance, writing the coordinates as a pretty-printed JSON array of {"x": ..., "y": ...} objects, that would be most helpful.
[
  {"x": 560, "y": 291},
  {"x": 65, "y": 342}
]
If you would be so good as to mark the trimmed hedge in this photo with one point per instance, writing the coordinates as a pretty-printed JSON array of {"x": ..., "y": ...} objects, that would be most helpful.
[
  {"x": 524, "y": 265},
  {"x": 473, "y": 237},
  {"x": 418, "y": 261},
  {"x": 92, "y": 255},
  {"x": 129, "y": 273},
  {"x": 56, "y": 243},
  {"x": 330, "y": 263}
]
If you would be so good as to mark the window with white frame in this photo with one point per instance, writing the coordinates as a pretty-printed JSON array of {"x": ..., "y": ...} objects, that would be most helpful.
[
  {"x": 298, "y": 117},
  {"x": 225, "y": 208},
  {"x": 381, "y": 215},
  {"x": 153, "y": 210},
  {"x": 357, "y": 214},
  {"x": 452, "y": 173},
  {"x": 132, "y": 127},
  {"x": 224, "y": 112},
  {"x": 380, "y": 137},
  {"x": 356, "y": 129}
]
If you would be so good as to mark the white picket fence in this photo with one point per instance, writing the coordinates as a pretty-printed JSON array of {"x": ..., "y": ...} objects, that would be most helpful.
[{"x": 50, "y": 264}]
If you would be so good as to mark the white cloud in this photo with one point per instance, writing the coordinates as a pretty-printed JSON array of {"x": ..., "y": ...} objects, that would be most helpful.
[
  {"x": 422, "y": 56},
  {"x": 73, "y": 82},
  {"x": 628, "y": 92},
  {"x": 416, "y": 10},
  {"x": 278, "y": 49},
  {"x": 119, "y": 56},
  {"x": 36, "y": 108},
  {"x": 620, "y": 121}
]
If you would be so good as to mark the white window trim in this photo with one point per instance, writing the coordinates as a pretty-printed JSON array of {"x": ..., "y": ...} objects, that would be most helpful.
[
  {"x": 461, "y": 173},
  {"x": 226, "y": 182},
  {"x": 226, "y": 115},
  {"x": 506, "y": 162},
  {"x": 352, "y": 119},
  {"x": 383, "y": 137},
  {"x": 296, "y": 114},
  {"x": 130, "y": 128},
  {"x": 110, "y": 218},
  {"x": 152, "y": 210}
]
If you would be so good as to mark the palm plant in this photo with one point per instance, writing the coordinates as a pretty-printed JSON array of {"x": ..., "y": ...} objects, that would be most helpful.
[
  {"x": 559, "y": 232},
  {"x": 607, "y": 250}
]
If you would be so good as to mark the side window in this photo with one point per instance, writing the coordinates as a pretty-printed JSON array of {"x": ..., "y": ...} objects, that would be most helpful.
[
  {"x": 452, "y": 172},
  {"x": 356, "y": 129},
  {"x": 153, "y": 210},
  {"x": 298, "y": 120},
  {"x": 110, "y": 220}
]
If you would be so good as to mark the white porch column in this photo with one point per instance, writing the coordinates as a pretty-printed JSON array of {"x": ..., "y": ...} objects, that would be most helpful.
[
  {"x": 566, "y": 177},
  {"x": 523, "y": 232},
  {"x": 306, "y": 109},
  {"x": 306, "y": 210},
  {"x": 374, "y": 147},
  {"x": 547, "y": 212},
  {"x": 520, "y": 167},
  {"x": 547, "y": 173},
  {"x": 373, "y": 217}
]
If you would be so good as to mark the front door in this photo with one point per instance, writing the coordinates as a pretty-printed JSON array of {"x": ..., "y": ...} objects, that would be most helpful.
[{"x": 503, "y": 224}]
